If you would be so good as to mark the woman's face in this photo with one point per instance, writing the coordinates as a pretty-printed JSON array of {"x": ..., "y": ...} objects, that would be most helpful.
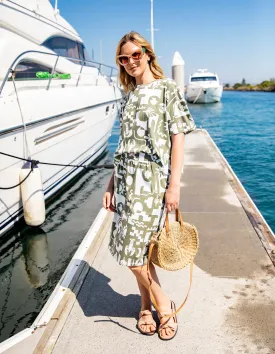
[{"x": 134, "y": 68}]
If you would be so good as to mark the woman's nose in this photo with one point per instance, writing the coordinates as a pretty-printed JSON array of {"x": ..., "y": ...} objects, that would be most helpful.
[{"x": 130, "y": 62}]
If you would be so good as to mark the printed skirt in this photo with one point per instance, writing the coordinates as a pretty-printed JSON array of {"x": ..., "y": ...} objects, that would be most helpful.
[{"x": 140, "y": 183}]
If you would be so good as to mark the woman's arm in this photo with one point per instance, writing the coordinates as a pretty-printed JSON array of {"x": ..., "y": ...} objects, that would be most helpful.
[
  {"x": 111, "y": 183},
  {"x": 172, "y": 196},
  {"x": 109, "y": 194}
]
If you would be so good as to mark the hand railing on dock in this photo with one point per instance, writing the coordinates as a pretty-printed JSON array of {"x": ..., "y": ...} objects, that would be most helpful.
[{"x": 81, "y": 62}]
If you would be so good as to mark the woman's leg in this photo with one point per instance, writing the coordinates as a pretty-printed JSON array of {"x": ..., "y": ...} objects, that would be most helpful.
[
  {"x": 162, "y": 300},
  {"x": 145, "y": 297},
  {"x": 145, "y": 305}
]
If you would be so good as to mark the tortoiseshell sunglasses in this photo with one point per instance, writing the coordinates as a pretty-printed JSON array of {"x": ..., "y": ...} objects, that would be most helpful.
[{"x": 136, "y": 56}]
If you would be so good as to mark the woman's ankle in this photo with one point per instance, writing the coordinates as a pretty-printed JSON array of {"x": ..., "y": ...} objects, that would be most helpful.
[
  {"x": 164, "y": 305},
  {"x": 146, "y": 305}
]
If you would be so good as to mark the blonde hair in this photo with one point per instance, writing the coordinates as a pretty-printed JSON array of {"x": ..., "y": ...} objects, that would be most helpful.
[{"x": 128, "y": 82}]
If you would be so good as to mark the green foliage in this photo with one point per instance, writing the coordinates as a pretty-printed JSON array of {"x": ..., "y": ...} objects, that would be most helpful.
[
  {"x": 227, "y": 85},
  {"x": 265, "y": 84},
  {"x": 237, "y": 85}
]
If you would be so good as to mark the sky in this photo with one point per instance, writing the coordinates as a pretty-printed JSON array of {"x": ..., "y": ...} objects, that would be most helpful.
[{"x": 233, "y": 38}]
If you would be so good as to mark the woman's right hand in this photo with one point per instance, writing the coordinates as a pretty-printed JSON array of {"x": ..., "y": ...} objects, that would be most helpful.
[{"x": 108, "y": 202}]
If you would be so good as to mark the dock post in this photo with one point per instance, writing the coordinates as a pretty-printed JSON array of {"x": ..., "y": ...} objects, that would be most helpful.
[{"x": 178, "y": 70}]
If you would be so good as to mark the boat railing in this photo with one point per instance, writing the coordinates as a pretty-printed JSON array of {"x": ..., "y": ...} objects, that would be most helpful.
[{"x": 110, "y": 73}]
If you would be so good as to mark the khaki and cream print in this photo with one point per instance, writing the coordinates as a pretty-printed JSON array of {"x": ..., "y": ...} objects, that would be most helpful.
[{"x": 149, "y": 116}]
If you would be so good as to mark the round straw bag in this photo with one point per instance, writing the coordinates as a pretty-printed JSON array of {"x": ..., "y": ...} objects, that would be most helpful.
[
  {"x": 175, "y": 245},
  {"x": 173, "y": 248}
]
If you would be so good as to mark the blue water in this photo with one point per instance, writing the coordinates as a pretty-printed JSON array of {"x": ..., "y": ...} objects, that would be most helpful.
[
  {"x": 33, "y": 260},
  {"x": 243, "y": 127}
]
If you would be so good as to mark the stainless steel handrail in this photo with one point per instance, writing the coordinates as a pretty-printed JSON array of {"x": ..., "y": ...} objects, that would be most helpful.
[
  {"x": 53, "y": 70},
  {"x": 83, "y": 63}
]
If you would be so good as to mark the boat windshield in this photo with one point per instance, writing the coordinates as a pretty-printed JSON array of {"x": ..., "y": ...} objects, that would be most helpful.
[{"x": 204, "y": 78}]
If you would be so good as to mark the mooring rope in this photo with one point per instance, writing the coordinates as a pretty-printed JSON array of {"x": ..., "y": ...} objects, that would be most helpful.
[{"x": 36, "y": 162}]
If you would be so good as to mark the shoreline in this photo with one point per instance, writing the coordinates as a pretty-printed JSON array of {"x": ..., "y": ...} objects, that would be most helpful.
[{"x": 247, "y": 90}]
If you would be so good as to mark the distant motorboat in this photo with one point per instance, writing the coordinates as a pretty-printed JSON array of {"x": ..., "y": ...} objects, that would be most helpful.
[{"x": 204, "y": 87}]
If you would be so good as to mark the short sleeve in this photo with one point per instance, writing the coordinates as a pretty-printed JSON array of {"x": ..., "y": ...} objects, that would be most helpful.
[{"x": 179, "y": 118}]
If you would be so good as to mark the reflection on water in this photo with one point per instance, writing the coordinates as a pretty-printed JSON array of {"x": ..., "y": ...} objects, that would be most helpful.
[
  {"x": 208, "y": 109},
  {"x": 35, "y": 250},
  {"x": 32, "y": 260},
  {"x": 207, "y": 115}
]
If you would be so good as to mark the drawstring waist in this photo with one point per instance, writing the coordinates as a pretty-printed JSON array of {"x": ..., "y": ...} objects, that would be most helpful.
[{"x": 141, "y": 157}]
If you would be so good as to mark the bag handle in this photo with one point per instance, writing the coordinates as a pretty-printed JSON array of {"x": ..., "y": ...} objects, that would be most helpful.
[
  {"x": 178, "y": 219},
  {"x": 150, "y": 284}
]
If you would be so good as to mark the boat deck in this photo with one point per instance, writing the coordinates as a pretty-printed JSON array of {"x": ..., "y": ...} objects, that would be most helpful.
[{"x": 231, "y": 307}]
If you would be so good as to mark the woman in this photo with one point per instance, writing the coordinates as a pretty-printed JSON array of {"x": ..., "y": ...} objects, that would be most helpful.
[{"x": 148, "y": 164}]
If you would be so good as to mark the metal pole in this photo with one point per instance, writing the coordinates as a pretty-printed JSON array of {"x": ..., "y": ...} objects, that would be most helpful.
[
  {"x": 53, "y": 70},
  {"x": 99, "y": 72},
  {"x": 56, "y": 11},
  {"x": 101, "y": 52},
  {"x": 152, "y": 24},
  {"x": 79, "y": 75},
  {"x": 111, "y": 76}
]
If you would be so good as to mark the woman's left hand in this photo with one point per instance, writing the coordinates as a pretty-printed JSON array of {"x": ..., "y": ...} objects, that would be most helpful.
[{"x": 172, "y": 198}]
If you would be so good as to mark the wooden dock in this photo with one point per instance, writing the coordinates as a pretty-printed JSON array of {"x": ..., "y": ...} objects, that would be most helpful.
[{"x": 231, "y": 308}]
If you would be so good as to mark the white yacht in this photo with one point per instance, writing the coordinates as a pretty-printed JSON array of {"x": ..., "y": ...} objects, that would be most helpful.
[
  {"x": 204, "y": 87},
  {"x": 55, "y": 104}
]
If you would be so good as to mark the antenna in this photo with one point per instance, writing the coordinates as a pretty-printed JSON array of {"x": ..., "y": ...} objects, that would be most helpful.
[
  {"x": 56, "y": 11},
  {"x": 152, "y": 24},
  {"x": 101, "y": 52},
  {"x": 152, "y": 29}
]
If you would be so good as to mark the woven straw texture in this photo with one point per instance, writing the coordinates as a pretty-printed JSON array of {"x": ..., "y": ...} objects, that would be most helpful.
[{"x": 176, "y": 248}]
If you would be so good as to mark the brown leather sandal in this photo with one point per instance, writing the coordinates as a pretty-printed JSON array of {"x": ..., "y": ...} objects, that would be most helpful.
[
  {"x": 168, "y": 324},
  {"x": 148, "y": 322}
]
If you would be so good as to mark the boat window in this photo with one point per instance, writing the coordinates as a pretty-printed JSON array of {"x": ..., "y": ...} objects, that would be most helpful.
[
  {"x": 27, "y": 70},
  {"x": 81, "y": 51},
  {"x": 87, "y": 57},
  {"x": 204, "y": 78},
  {"x": 86, "y": 54},
  {"x": 64, "y": 47}
]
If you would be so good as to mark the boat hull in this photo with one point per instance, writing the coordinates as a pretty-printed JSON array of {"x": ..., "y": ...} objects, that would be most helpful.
[
  {"x": 201, "y": 94},
  {"x": 72, "y": 127}
]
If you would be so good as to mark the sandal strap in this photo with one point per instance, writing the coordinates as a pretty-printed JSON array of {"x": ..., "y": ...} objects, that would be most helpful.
[
  {"x": 146, "y": 322},
  {"x": 140, "y": 323},
  {"x": 171, "y": 322},
  {"x": 145, "y": 313},
  {"x": 163, "y": 314},
  {"x": 172, "y": 326}
]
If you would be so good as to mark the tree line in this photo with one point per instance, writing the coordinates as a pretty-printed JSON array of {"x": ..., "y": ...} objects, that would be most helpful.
[{"x": 266, "y": 85}]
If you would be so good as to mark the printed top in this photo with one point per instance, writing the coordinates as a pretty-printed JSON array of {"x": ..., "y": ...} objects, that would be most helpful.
[{"x": 149, "y": 116}]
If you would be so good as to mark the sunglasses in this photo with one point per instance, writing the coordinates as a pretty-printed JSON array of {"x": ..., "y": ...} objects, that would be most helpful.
[{"x": 136, "y": 56}]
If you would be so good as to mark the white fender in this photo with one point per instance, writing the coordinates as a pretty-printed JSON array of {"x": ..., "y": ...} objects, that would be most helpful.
[{"x": 32, "y": 196}]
